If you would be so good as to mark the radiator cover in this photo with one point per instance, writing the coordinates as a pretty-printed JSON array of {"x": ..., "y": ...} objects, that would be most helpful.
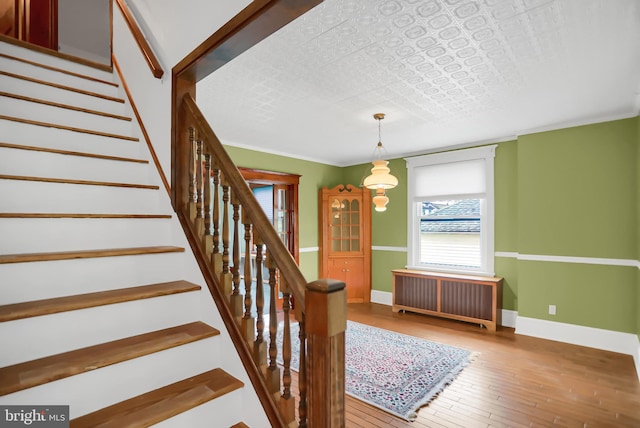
[{"x": 463, "y": 297}]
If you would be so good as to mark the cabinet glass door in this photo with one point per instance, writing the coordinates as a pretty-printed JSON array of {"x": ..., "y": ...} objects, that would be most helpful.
[{"x": 345, "y": 225}]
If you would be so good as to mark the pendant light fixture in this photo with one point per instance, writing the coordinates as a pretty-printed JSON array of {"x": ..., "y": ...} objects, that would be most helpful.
[{"x": 380, "y": 179}]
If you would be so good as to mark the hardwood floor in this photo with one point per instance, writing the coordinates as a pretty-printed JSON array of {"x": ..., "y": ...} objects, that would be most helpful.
[{"x": 514, "y": 381}]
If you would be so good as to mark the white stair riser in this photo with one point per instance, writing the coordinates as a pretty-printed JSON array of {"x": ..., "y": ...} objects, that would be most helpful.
[
  {"x": 21, "y": 235},
  {"x": 54, "y": 165},
  {"x": 40, "y": 73},
  {"x": 60, "y": 116},
  {"x": 26, "y": 196},
  {"x": 41, "y": 58},
  {"x": 37, "y": 337},
  {"x": 224, "y": 411},
  {"x": 23, "y": 282},
  {"x": 93, "y": 390},
  {"x": 42, "y": 136},
  {"x": 57, "y": 95}
]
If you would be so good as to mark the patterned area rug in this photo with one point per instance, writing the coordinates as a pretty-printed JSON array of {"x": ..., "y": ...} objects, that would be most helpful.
[{"x": 395, "y": 372}]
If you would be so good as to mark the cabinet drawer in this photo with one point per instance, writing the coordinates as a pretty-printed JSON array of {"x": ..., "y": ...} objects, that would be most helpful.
[{"x": 348, "y": 264}]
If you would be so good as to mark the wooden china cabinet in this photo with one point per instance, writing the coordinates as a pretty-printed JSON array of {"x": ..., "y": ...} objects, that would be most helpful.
[{"x": 345, "y": 231}]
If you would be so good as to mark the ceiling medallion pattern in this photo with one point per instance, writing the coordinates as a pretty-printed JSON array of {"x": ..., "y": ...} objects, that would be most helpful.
[{"x": 431, "y": 63}]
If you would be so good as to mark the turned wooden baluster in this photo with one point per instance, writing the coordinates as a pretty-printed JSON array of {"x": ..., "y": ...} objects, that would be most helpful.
[
  {"x": 302, "y": 371},
  {"x": 193, "y": 197},
  {"x": 216, "y": 255},
  {"x": 259, "y": 346},
  {"x": 236, "y": 298},
  {"x": 199, "y": 221},
  {"x": 248, "y": 324},
  {"x": 207, "y": 242},
  {"x": 287, "y": 402},
  {"x": 273, "y": 370},
  {"x": 226, "y": 278}
]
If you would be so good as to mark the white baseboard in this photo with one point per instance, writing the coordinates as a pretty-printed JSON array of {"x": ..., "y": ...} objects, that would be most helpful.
[
  {"x": 608, "y": 340},
  {"x": 509, "y": 318},
  {"x": 381, "y": 297}
]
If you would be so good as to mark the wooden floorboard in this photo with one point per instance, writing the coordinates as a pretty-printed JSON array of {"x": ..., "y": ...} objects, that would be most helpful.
[{"x": 514, "y": 381}]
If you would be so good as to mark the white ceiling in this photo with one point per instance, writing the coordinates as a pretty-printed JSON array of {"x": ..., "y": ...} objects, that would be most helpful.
[{"x": 447, "y": 73}]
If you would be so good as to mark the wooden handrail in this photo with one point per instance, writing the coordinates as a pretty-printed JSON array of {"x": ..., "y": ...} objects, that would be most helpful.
[
  {"x": 147, "y": 52},
  {"x": 286, "y": 264},
  {"x": 209, "y": 188}
]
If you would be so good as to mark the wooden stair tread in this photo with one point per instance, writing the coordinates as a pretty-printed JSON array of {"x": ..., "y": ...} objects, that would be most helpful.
[
  {"x": 80, "y": 301},
  {"x": 86, "y": 254},
  {"x": 69, "y": 128},
  {"x": 64, "y": 106},
  {"x": 63, "y": 87},
  {"x": 48, "y": 369},
  {"x": 163, "y": 403},
  {"x": 83, "y": 215},
  {"x": 83, "y": 182},
  {"x": 48, "y": 67},
  {"x": 70, "y": 152}
]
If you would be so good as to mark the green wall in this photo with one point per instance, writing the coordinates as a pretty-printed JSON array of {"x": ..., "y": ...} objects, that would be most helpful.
[
  {"x": 576, "y": 191},
  {"x": 568, "y": 192},
  {"x": 577, "y": 196},
  {"x": 506, "y": 220}
]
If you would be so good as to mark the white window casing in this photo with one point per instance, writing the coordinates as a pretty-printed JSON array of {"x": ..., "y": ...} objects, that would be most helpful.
[{"x": 460, "y": 174}]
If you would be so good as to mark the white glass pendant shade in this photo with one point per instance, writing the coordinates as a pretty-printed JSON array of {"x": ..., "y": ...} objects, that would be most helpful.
[
  {"x": 380, "y": 200},
  {"x": 380, "y": 177}
]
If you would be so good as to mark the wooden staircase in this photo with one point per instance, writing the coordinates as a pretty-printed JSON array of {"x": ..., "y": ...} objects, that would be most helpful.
[{"x": 100, "y": 304}]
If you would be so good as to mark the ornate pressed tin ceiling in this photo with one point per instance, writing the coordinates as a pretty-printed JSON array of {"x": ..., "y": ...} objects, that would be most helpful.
[{"x": 447, "y": 73}]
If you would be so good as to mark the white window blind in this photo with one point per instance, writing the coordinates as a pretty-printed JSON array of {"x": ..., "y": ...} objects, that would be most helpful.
[{"x": 452, "y": 178}]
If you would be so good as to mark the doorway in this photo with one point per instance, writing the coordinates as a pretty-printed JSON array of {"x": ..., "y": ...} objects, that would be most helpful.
[{"x": 277, "y": 194}]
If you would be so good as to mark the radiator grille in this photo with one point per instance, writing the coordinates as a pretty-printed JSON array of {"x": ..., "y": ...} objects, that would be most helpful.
[
  {"x": 467, "y": 299},
  {"x": 421, "y": 293}
]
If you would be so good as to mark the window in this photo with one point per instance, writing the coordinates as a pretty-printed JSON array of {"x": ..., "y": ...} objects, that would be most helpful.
[{"x": 451, "y": 211}]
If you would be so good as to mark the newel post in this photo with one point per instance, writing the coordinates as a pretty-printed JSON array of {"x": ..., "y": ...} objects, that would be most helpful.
[{"x": 326, "y": 322}]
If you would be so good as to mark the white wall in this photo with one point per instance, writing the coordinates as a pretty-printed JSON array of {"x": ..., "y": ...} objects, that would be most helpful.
[
  {"x": 173, "y": 29},
  {"x": 84, "y": 29}
]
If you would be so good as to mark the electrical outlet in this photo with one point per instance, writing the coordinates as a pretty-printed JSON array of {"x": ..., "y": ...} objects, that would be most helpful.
[{"x": 552, "y": 309}]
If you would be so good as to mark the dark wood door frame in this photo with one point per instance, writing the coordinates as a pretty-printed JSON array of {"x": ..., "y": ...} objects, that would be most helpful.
[
  {"x": 256, "y": 177},
  {"x": 41, "y": 23}
]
